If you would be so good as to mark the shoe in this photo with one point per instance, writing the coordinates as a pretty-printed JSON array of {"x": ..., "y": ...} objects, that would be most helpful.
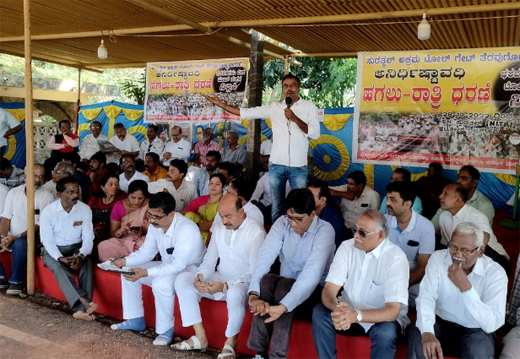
[
  {"x": 14, "y": 289},
  {"x": 4, "y": 283}
]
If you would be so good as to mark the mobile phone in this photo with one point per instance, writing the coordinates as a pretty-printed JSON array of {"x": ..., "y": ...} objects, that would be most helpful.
[{"x": 135, "y": 228}]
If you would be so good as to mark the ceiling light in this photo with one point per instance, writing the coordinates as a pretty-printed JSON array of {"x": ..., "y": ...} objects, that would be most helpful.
[
  {"x": 102, "y": 52},
  {"x": 424, "y": 29}
]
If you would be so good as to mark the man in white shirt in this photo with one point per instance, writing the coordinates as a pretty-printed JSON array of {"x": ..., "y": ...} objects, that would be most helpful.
[
  {"x": 234, "y": 153},
  {"x": 9, "y": 125},
  {"x": 462, "y": 300},
  {"x": 152, "y": 144},
  {"x": 305, "y": 246},
  {"x": 177, "y": 148},
  {"x": 89, "y": 146},
  {"x": 294, "y": 121},
  {"x": 129, "y": 173},
  {"x": 127, "y": 144},
  {"x": 410, "y": 231},
  {"x": 356, "y": 198},
  {"x": 67, "y": 236},
  {"x": 183, "y": 191},
  {"x": 10, "y": 175},
  {"x": 456, "y": 210},
  {"x": 13, "y": 227},
  {"x": 180, "y": 245},
  {"x": 374, "y": 275},
  {"x": 235, "y": 241}
]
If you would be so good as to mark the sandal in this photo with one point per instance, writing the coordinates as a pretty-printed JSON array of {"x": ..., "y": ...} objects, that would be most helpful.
[
  {"x": 186, "y": 347},
  {"x": 231, "y": 355}
]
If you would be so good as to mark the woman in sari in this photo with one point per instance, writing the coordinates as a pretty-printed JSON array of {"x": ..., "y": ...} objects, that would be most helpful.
[
  {"x": 128, "y": 223},
  {"x": 102, "y": 203},
  {"x": 202, "y": 210}
]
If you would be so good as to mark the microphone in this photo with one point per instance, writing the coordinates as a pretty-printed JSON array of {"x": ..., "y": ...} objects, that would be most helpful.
[{"x": 288, "y": 101}]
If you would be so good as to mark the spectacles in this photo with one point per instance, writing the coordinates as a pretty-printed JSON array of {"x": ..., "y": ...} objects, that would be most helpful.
[
  {"x": 157, "y": 218},
  {"x": 464, "y": 251},
  {"x": 58, "y": 172},
  {"x": 294, "y": 219},
  {"x": 362, "y": 233}
]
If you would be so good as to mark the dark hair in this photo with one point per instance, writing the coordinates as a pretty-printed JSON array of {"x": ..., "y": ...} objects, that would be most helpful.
[
  {"x": 473, "y": 172},
  {"x": 406, "y": 190},
  {"x": 125, "y": 156},
  {"x": 234, "y": 134},
  {"x": 100, "y": 157},
  {"x": 163, "y": 201},
  {"x": 243, "y": 188},
  {"x": 358, "y": 177},
  {"x": 5, "y": 164},
  {"x": 155, "y": 156},
  {"x": 82, "y": 166},
  {"x": 64, "y": 121},
  {"x": 118, "y": 126},
  {"x": 138, "y": 185},
  {"x": 179, "y": 127},
  {"x": 324, "y": 192},
  {"x": 301, "y": 201},
  {"x": 62, "y": 183},
  {"x": 238, "y": 204},
  {"x": 407, "y": 176},
  {"x": 113, "y": 167},
  {"x": 215, "y": 154},
  {"x": 154, "y": 128},
  {"x": 229, "y": 167},
  {"x": 181, "y": 166},
  {"x": 220, "y": 177},
  {"x": 96, "y": 122},
  {"x": 291, "y": 76},
  {"x": 462, "y": 193},
  {"x": 436, "y": 166},
  {"x": 103, "y": 181}
]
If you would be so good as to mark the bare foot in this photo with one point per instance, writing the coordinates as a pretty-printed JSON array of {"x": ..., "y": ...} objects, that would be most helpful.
[
  {"x": 92, "y": 307},
  {"x": 80, "y": 314}
]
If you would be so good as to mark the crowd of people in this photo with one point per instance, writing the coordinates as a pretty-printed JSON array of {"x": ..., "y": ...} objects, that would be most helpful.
[{"x": 338, "y": 257}]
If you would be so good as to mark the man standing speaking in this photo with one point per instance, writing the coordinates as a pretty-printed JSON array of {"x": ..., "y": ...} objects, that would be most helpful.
[{"x": 294, "y": 121}]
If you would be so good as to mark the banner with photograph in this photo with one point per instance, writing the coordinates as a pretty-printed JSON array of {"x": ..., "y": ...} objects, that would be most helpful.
[
  {"x": 173, "y": 89},
  {"x": 456, "y": 107}
]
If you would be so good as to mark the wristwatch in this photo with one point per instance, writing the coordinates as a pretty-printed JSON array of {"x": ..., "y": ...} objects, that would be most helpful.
[
  {"x": 225, "y": 288},
  {"x": 359, "y": 317}
]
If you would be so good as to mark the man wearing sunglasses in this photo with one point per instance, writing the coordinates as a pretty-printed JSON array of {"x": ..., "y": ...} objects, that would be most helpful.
[
  {"x": 462, "y": 300},
  {"x": 374, "y": 275},
  {"x": 178, "y": 241},
  {"x": 305, "y": 246}
]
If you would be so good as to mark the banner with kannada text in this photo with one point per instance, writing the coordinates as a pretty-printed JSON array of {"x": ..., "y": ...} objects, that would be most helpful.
[
  {"x": 173, "y": 89},
  {"x": 456, "y": 107}
]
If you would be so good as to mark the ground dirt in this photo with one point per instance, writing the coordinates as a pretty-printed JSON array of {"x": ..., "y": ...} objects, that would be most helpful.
[{"x": 40, "y": 327}]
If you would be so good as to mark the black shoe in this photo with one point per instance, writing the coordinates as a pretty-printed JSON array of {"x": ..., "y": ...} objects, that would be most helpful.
[
  {"x": 14, "y": 289},
  {"x": 4, "y": 283}
]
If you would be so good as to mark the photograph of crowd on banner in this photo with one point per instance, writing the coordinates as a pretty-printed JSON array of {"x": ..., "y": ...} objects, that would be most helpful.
[
  {"x": 173, "y": 89},
  {"x": 456, "y": 107}
]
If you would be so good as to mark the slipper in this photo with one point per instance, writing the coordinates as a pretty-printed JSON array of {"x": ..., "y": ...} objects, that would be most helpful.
[
  {"x": 92, "y": 308},
  {"x": 231, "y": 355},
  {"x": 79, "y": 314},
  {"x": 186, "y": 347}
]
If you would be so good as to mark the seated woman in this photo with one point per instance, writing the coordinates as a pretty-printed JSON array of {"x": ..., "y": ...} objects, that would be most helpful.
[
  {"x": 202, "y": 210},
  {"x": 128, "y": 223},
  {"x": 103, "y": 202}
]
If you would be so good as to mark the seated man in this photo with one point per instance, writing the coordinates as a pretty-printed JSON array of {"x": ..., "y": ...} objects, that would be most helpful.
[
  {"x": 234, "y": 153},
  {"x": 402, "y": 175},
  {"x": 63, "y": 169},
  {"x": 328, "y": 210},
  {"x": 305, "y": 246},
  {"x": 152, "y": 144},
  {"x": 202, "y": 174},
  {"x": 430, "y": 187},
  {"x": 410, "y": 231},
  {"x": 89, "y": 146},
  {"x": 243, "y": 190},
  {"x": 177, "y": 148},
  {"x": 183, "y": 191},
  {"x": 202, "y": 148},
  {"x": 129, "y": 173},
  {"x": 64, "y": 146},
  {"x": 374, "y": 275},
  {"x": 127, "y": 144},
  {"x": 227, "y": 169},
  {"x": 67, "y": 236},
  {"x": 512, "y": 339},
  {"x": 356, "y": 198},
  {"x": 13, "y": 228},
  {"x": 9, "y": 174},
  {"x": 153, "y": 170},
  {"x": 456, "y": 210},
  {"x": 234, "y": 245},
  {"x": 97, "y": 164},
  {"x": 461, "y": 302},
  {"x": 178, "y": 241}
]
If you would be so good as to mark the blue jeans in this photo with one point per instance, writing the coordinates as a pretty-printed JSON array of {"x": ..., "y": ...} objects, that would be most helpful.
[
  {"x": 383, "y": 336},
  {"x": 278, "y": 177},
  {"x": 19, "y": 253}
]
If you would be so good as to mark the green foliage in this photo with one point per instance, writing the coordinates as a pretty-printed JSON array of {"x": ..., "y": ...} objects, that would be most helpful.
[
  {"x": 135, "y": 89},
  {"x": 328, "y": 83}
]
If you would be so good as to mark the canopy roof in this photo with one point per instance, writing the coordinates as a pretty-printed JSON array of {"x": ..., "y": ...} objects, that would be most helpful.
[{"x": 139, "y": 31}]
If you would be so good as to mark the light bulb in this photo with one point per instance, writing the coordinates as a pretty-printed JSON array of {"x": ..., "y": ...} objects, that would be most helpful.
[
  {"x": 424, "y": 29},
  {"x": 102, "y": 52}
]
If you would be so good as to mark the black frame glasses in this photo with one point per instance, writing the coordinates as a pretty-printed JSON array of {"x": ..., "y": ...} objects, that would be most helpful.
[
  {"x": 362, "y": 233},
  {"x": 157, "y": 218},
  {"x": 294, "y": 219},
  {"x": 464, "y": 251}
]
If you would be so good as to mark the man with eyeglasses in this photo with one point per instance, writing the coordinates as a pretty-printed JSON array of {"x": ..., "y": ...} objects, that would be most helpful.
[
  {"x": 177, "y": 148},
  {"x": 90, "y": 145},
  {"x": 374, "y": 275},
  {"x": 13, "y": 227},
  {"x": 61, "y": 170},
  {"x": 180, "y": 245},
  {"x": 305, "y": 246},
  {"x": 462, "y": 300},
  {"x": 453, "y": 201}
]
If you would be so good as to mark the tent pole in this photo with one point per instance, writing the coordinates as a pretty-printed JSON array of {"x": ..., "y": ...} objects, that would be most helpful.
[{"x": 29, "y": 147}]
